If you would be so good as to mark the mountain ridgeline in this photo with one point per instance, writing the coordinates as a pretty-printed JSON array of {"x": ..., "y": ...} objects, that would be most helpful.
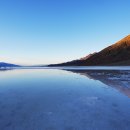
[
  {"x": 116, "y": 54},
  {"x": 3, "y": 64}
]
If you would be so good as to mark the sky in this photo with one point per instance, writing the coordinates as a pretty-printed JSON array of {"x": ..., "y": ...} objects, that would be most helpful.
[{"x": 55, "y": 31}]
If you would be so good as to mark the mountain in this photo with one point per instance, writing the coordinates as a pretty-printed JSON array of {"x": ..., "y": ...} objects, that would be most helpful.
[
  {"x": 88, "y": 56},
  {"x": 116, "y": 54},
  {"x": 3, "y": 64}
]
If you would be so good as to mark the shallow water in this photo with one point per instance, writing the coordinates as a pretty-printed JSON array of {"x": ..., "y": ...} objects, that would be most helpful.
[{"x": 51, "y": 99}]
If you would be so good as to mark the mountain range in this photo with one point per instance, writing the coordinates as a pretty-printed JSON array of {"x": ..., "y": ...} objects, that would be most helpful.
[
  {"x": 3, "y": 64},
  {"x": 114, "y": 55}
]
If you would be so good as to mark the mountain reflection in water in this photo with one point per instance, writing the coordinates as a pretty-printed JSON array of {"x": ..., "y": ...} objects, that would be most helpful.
[{"x": 119, "y": 80}]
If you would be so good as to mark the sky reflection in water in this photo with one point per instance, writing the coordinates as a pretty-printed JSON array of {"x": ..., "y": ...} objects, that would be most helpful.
[{"x": 47, "y": 99}]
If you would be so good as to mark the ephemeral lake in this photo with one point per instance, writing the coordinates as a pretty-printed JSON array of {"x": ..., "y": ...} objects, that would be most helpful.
[{"x": 73, "y": 99}]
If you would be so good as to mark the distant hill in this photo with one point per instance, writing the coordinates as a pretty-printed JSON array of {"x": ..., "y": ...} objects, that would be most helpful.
[
  {"x": 3, "y": 64},
  {"x": 116, "y": 54}
]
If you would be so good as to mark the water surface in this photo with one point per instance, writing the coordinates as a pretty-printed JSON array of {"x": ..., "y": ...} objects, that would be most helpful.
[{"x": 51, "y": 99}]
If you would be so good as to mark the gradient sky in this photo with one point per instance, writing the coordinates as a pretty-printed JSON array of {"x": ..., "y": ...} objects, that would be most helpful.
[{"x": 54, "y": 31}]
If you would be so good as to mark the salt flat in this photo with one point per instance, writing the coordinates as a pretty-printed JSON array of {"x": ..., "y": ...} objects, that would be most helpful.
[{"x": 53, "y": 99}]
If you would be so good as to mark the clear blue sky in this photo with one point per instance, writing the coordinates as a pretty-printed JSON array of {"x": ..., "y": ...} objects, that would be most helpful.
[{"x": 54, "y": 31}]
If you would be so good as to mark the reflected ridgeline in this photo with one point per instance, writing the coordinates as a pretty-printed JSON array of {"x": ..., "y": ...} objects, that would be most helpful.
[{"x": 119, "y": 80}]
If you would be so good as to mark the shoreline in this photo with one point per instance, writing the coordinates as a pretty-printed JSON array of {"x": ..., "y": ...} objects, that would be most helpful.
[{"x": 74, "y": 68}]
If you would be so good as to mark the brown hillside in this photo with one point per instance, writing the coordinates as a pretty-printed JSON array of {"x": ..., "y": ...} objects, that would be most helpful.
[{"x": 118, "y": 52}]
